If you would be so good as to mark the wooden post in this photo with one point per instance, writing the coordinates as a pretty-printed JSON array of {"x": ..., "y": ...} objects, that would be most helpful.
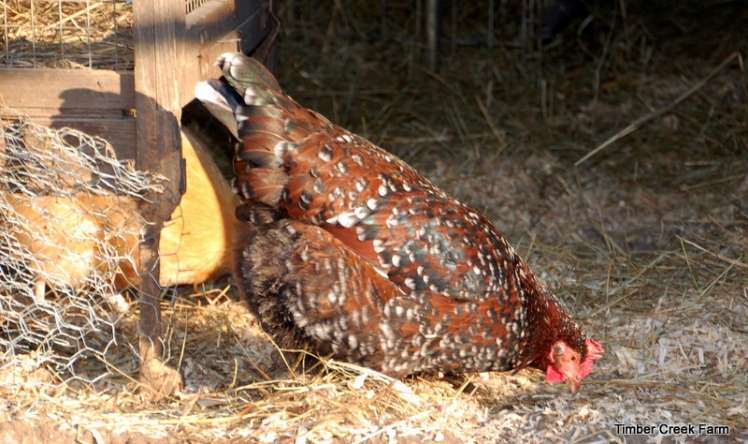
[{"x": 159, "y": 30}]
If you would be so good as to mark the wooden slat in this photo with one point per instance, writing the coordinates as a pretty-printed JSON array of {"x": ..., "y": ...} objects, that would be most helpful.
[
  {"x": 197, "y": 35},
  {"x": 210, "y": 23},
  {"x": 211, "y": 20},
  {"x": 209, "y": 53},
  {"x": 47, "y": 92},
  {"x": 159, "y": 29}
]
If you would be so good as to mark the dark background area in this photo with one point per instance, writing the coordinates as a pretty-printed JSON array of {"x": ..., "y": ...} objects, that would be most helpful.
[{"x": 518, "y": 98}]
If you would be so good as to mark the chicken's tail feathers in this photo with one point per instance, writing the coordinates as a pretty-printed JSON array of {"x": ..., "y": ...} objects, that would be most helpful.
[
  {"x": 247, "y": 75},
  {"x": 245, "y": 88},
  {"x": 221, "y": 101},
  {"x": 272, "y": 128}
]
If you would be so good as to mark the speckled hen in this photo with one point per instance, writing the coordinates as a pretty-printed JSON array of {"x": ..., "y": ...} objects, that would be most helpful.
[{"x": 357, "y": 255}]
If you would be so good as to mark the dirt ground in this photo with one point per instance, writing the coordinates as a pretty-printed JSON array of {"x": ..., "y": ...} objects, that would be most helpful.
[{"x": 646, "y": 241}]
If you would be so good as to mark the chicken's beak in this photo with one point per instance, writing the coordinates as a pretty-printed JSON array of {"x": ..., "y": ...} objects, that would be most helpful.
[{"x": 573, "y": 384}]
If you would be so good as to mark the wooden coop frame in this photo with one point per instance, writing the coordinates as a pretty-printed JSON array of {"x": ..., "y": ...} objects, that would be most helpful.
[
  {"x": 175, "y": 43},
  {"x": 174, "y": 40}
]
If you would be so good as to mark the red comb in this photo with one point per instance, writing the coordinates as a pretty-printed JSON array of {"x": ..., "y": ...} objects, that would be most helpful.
[{"x": 595, "y": 351}]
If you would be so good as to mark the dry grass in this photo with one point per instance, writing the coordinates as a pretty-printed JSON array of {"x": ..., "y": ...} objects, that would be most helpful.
[
  {"x": 66, "y": 34},
  {"x": 646, "y": 241}
]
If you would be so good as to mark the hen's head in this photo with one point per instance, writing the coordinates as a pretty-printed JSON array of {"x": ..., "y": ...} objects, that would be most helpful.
[
  {"x": 566, "y": 363},
  {"x": 555, "y": 343}
]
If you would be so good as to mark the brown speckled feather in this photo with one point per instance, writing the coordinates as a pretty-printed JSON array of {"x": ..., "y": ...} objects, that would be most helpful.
[
  {"x": 371, "y": 200},
  {"x": 327, "y": 296}
]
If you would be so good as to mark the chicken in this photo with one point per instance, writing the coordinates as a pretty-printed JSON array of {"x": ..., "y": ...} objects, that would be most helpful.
[
  {"x": 355, "y": 254},
  {"x": 196, "y": 244},
  {"x": 68, "y": 238}
]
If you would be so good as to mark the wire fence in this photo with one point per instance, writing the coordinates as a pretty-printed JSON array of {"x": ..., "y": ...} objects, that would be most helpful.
[
  {"x": 192, "y": 5},
  {"x": 66, "y": 34},
  {"x": 69, "y": 235},
  {"x": 70, "y": 33}
]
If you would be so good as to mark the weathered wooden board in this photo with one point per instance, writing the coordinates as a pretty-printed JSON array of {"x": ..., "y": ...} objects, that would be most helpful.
[
  {"x": 47, "y": 92},
  {"x": 98, "y": 102}
]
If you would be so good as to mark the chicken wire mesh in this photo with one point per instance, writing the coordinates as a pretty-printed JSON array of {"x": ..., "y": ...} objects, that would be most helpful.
[
  {"x": 70, "y": 33},
  {"x": 192, "y": 5},
  {"x": 66, "y": 34},
  {"x": 69, "y": 232}
]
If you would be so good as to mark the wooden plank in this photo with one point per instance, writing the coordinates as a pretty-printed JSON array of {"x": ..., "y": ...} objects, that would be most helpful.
[
  {"x": 208, "y": 23},
  {"x": 201, "y": 26},
  {"x": 159, "y": 29},
  {"x": 212, "y": 20},
  {"x": 45, "y": 92},
  {"x": 209, "y": 53}
]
